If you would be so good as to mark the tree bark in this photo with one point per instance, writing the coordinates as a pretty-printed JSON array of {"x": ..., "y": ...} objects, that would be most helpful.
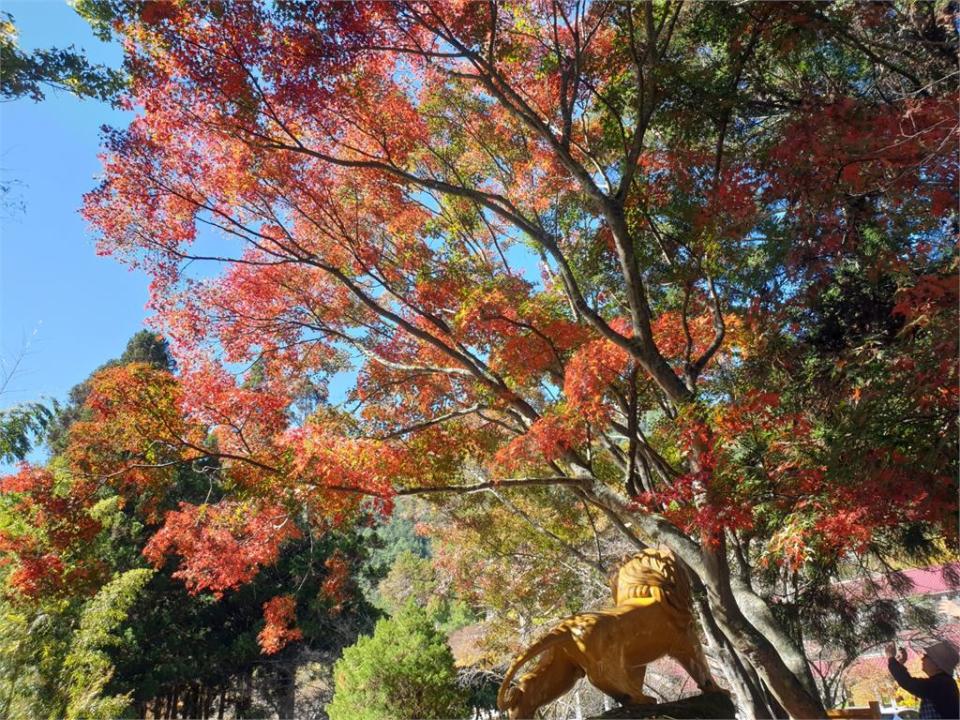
[
  {"x": 246, "y": 697},
  {"x": 771, "y": 661},
  {"x": 745, "y": 687},
  {"x": 286, "y": 689}
]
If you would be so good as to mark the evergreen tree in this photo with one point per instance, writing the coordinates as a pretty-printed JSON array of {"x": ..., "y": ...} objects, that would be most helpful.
[
  {"x": 144, "y": 346},
  {"x": 28, "y": 74},
  {"x": 404, "y": 670}
]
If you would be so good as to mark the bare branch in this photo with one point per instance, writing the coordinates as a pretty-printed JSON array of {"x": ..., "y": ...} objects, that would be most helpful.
[
  {"x": 430, "y": 423},
  {"x": 493, "y": 485}
]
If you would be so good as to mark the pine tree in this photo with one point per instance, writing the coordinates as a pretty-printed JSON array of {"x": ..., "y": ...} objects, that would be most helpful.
[{"x": 404, "y": 670}]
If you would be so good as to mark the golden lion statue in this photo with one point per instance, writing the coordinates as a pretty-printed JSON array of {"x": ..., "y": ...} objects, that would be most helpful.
[{"x": 653, "y": 617}]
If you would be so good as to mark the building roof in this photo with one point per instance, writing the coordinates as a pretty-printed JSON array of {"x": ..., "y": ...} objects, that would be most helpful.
[{"x": 910, "y": 582}]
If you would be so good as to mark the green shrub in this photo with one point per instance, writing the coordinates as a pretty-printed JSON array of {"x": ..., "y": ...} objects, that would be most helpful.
[{"x": 404, "y": 670}]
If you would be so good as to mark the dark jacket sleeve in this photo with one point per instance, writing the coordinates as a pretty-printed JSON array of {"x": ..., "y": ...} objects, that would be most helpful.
[{"x": 921, "y": 687}]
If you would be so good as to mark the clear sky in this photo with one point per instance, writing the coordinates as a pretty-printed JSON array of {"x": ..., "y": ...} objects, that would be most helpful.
[{"x": 71, "y": 309}]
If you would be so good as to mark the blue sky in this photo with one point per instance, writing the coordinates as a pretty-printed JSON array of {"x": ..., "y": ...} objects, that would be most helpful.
[{"x": 63, "y": 307}]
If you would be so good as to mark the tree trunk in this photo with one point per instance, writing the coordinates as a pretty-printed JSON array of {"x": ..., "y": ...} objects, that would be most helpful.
[
  {"x": 765, "y": 699},
  {"x": 223, "y": 697},
  {"x": 246, "y": 697},
  {"x": 286, "y": 689},
  {"x": 746, "y": 687},
  {"x": 781, "y": 667}
]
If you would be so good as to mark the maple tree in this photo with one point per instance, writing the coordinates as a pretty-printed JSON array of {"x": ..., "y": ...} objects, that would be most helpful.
[
  {"x": 690, "y": 266},
  {"x": 99, "y": 619}
]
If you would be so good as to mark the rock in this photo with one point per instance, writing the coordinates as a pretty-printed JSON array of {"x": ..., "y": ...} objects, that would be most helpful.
[{"x": 697, "y": 707}]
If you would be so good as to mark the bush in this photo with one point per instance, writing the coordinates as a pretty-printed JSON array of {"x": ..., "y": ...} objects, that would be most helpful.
[{"x": 404, "y": 670}]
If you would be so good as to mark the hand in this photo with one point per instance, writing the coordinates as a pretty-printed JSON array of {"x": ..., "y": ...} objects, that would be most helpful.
[
  {"x": 950, "y": 607},
  {"x": 890, "y": 650},
  {"x": 903, "y": 656}
]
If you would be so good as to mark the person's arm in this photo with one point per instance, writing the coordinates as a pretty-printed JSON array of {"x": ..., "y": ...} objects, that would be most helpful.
[{"x": 915, "y": 686}]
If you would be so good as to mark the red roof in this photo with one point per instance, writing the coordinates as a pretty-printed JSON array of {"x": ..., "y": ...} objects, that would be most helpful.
[
  {"x": 918, "y": 581},
  {"x": 930, "y": 580}
]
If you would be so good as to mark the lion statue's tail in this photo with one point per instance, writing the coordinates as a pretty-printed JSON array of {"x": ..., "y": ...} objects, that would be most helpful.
[{"x": 506, "y": 694}]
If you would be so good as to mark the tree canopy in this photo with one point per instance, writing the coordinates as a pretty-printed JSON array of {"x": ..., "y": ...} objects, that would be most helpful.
[
  {"x": 98, "y": 623},
  {"x": 682, "y": 273}
]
